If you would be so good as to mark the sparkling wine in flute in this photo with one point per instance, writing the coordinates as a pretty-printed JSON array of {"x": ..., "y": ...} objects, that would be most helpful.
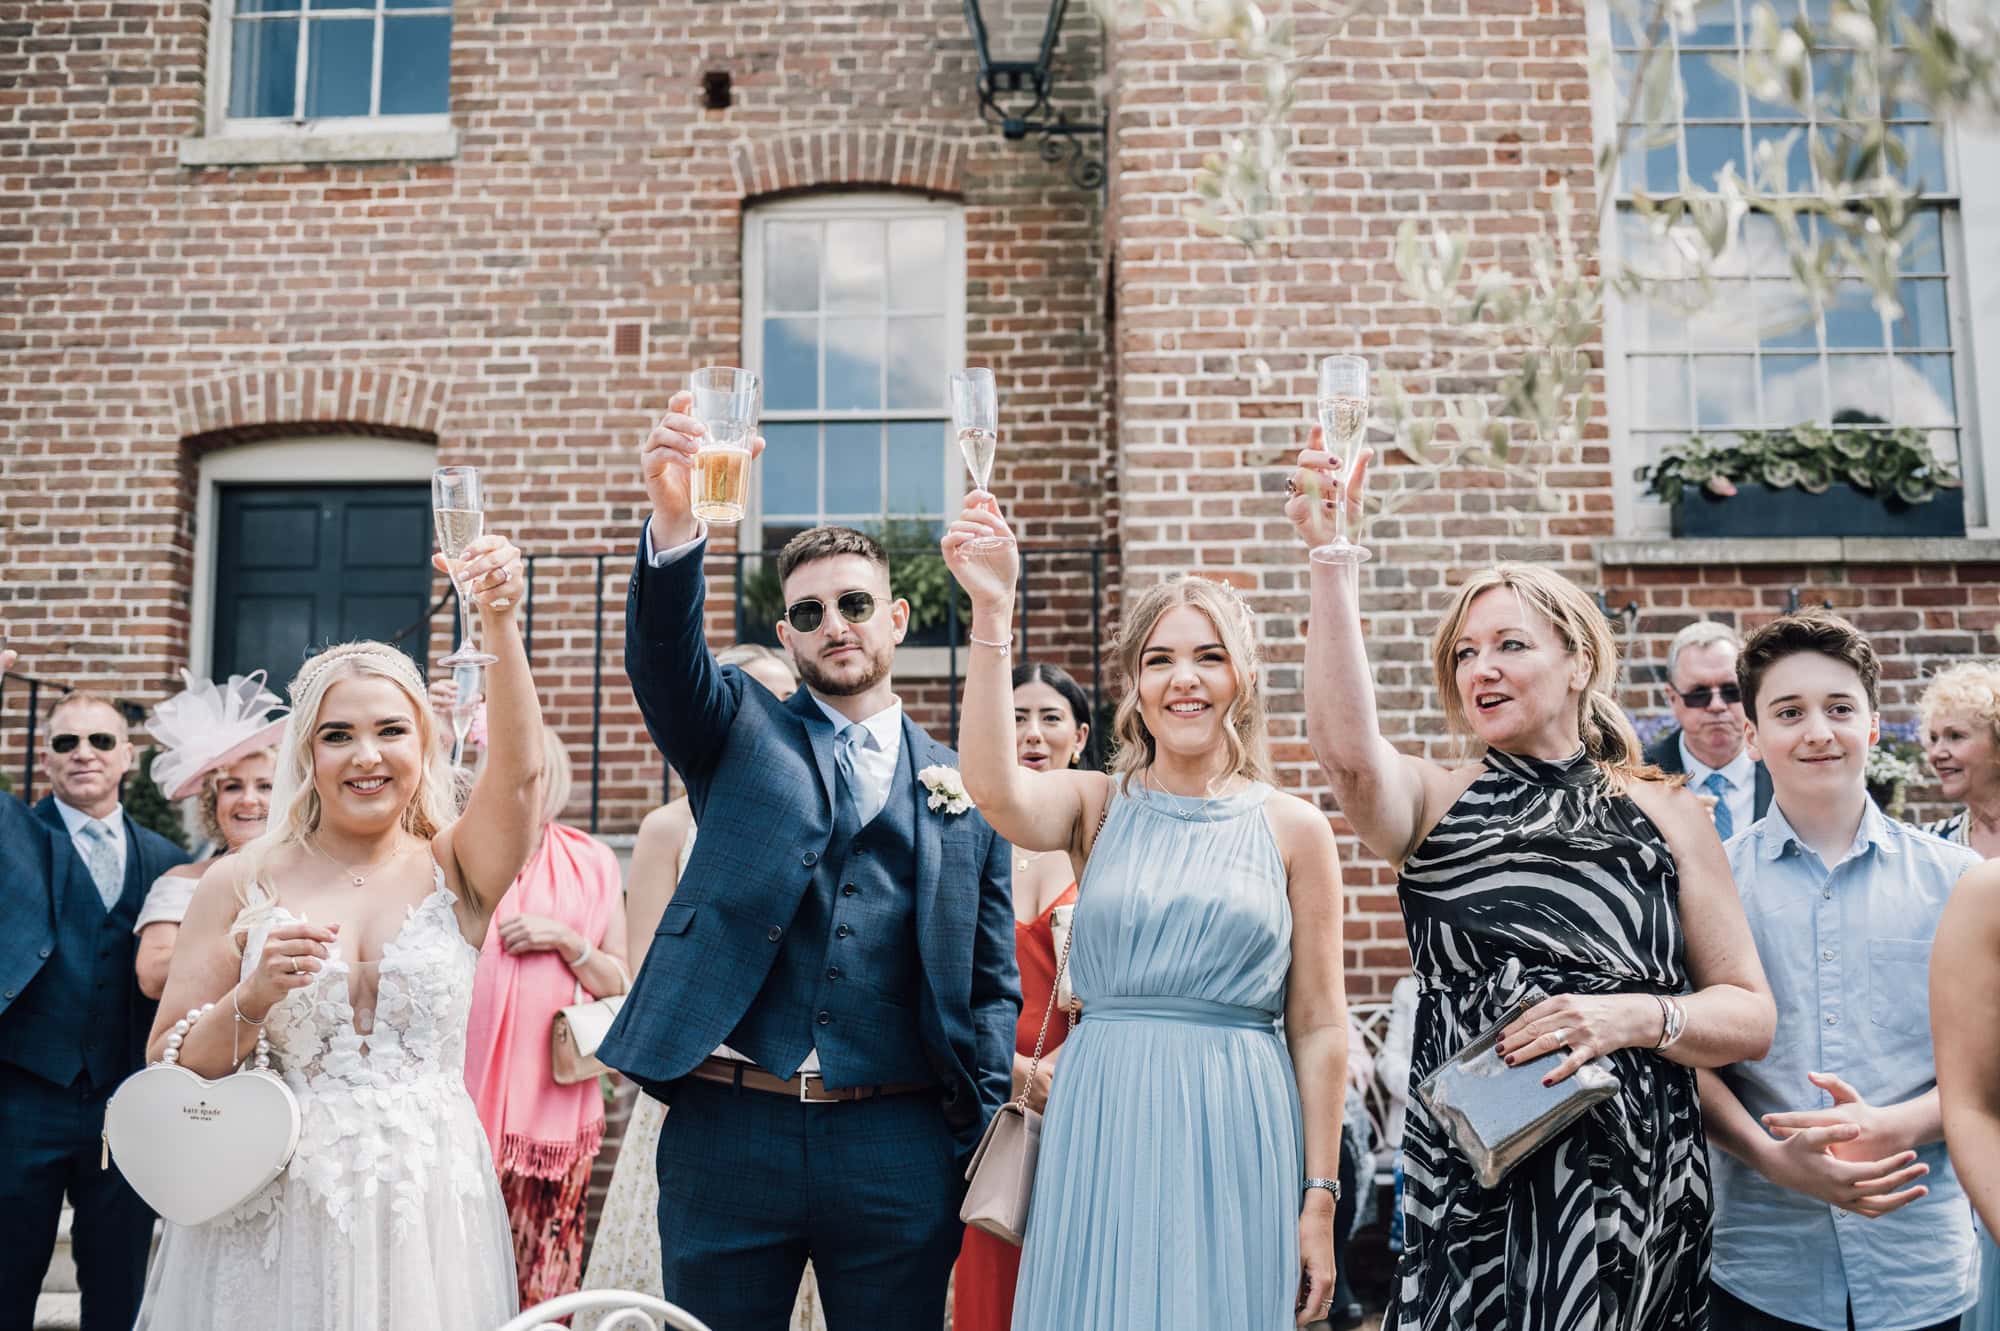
[
  {"x": 1343, "y": 420},
  {"x": 458, "y": 509},
  {"x": 977, "y": 446},
  {"x": 721, "y": 476}
]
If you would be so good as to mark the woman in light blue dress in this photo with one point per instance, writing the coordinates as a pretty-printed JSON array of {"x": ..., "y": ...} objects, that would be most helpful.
[{"x": 1187, "y": 1172}]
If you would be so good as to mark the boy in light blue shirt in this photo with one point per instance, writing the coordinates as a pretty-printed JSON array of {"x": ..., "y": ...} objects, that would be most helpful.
[{"x": 1836, "y": 1207}]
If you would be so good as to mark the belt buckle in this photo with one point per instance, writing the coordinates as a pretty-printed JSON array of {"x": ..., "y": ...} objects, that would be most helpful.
[{"x": 806, "y": 1079}]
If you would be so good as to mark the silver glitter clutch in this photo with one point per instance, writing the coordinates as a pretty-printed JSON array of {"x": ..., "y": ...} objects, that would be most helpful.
[{"x": 1498, "y": 1116}]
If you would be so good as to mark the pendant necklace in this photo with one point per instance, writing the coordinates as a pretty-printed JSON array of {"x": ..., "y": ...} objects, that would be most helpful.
[
  {"x": 360, "y": 876},
  {"x": 1186, "y": 815}
]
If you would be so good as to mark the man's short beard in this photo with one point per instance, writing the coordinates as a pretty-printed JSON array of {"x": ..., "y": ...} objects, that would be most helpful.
[{"x": 815, "y": 679}]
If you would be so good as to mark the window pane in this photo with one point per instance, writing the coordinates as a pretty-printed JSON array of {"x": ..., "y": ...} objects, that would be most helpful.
[
  {"x": 789, "y": 470},
  {"x": 1833, "y": 81},
  {"x": 1860, "y": 386},
  {"x": 916, "y": 264},
  {"x": 1714, "y": 24},
  {"x": 1851, "y": 320},
  {"x": 1663, "y": 327},
  {"x": 916, "y": 363},
  {"x": 1728, "y": 320},
  {"x": 339, "y": 67},
  {"x": 791, "y": 364},
  {"x": 1663, "y": 391},
  {"x": 1784, "y": 317},
  {"x": 418, "y": 4},
  {"x": 1792, "y": 390},
  {"x": 1707, "y": 90},
  {"x": 853, "y": 364},
  {"x": 1923, "y": 391},
  {"x": 266, "y": 6},
  {"x": 791, "y": 266},
  {"x": 853, "y": 469},
  {"x": 1923, "y": 243},
  {"x": 1658, "y": 169},
  {"x": 1923, "y": 321},
  {"x": 1925, "y": 167},
  {"x": 854, "y": 276},
  {"x": 263, "y": 68},
  {"x": 1709, "y": 149},
  {"x": 916, "y": 470},
  {"x": 1788, "y": 166},
  {"x": 416, "y": 66},
  {"x": 1621, "y": 28},
  {"x": 1725, "y": 390}
]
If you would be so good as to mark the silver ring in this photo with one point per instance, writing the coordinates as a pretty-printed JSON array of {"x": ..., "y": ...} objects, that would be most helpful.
[{"x": 1562, "y": 1038}]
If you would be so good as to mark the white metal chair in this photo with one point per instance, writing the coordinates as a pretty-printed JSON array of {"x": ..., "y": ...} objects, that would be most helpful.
[
  {"x": 623, "y": 1311},
  {"x": 1372, "y": 1020}
]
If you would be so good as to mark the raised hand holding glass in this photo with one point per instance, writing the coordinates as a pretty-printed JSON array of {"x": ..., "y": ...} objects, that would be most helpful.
[
  {"x": 726, "y": 402},
  {"x": 459, "y": 510},
  {"x": 975, "y": 416}
]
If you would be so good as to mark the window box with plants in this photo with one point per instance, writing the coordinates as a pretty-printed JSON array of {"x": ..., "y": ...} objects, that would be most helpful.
[{"x": 1809, "y": 480}]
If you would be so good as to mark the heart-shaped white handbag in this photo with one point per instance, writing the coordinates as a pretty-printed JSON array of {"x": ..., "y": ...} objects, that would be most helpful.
[{"x": 193, "y": 1148}]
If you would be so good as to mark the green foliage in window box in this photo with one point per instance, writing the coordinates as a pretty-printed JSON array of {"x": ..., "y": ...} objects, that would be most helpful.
[
  {"x": 1894, "y": 464},
  {"x": 149, "y": 805}
]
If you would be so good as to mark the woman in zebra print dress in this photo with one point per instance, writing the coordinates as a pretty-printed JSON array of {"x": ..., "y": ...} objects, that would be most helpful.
[{"x": 1554, "y": 859}]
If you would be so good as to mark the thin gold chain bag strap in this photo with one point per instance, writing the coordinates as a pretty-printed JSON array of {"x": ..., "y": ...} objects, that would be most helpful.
[{"x": 1000, "y": 1181}]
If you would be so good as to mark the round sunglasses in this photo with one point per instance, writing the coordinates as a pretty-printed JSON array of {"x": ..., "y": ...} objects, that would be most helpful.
[{"x": 807, "y": 615}]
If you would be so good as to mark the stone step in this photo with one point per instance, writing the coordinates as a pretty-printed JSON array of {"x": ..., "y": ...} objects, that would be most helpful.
[
  {"x": 61, "y": 1275},
  {"x": 59, "y": 1312}
]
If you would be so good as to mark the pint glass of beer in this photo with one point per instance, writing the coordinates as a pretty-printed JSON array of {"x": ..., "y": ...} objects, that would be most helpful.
[{"x": 726, "y": 402}]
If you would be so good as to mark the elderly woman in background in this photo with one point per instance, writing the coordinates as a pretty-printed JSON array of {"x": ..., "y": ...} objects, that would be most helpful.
[
  {"x": 217, "y": 756},
  {"x": 626, "y": 1252},
  {"x": 1961, "y": 720},
  {"x": 558, "y": 933}
]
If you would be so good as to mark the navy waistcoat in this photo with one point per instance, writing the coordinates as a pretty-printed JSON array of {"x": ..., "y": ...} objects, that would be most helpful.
[{"x": 846, "y": 980}]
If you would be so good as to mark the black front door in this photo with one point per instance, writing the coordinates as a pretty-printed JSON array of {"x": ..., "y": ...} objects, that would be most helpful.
[{"x": 299, "y": 568}]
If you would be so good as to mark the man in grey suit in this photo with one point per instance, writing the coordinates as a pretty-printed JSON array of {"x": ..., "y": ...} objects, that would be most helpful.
[
  {"x": 1710, "y": 741},
  {"x": 830, "y": 999}
]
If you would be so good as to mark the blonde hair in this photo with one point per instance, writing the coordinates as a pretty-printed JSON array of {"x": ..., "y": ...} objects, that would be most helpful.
[
  {"x": 295, "y": 802},
  {"x": 198, "y": 815},
  {"x": 556, "y": 776},
  {"x": 1244, "y": 730},
  {"x": 1970, "y": 688},
  {"x": 1608, "y": 736},
  {"x": 746, "y": 654}
]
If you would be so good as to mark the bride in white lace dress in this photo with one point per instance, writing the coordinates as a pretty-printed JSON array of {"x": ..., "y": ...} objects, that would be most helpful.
[{"x": 349, "y": 932}]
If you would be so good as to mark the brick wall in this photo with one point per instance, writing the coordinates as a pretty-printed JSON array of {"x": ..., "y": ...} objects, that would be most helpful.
[{"x": 150, "y": 313}]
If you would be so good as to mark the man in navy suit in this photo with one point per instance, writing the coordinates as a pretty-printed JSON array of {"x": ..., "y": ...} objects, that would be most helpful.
[
  {"x": 1709, "y": 743},
  {"x": 73, "y": 1024},
  {"x": 830, "y": 999}
]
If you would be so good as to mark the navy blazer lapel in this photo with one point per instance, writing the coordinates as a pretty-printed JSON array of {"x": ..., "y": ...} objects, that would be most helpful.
[
  {"x": 918, "y": 753},
  {"x": 819, "y": 737},
  {"x": 61, "y": 866}
]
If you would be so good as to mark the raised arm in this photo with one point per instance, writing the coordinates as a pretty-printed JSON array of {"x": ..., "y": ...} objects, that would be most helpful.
[
  {"x": 1033, "y": 810},
  {"x": 686, "y": 699},
  {"x": 493, "y": 838},
  {"x": 1965, "y": 1029},
  {"x": 1382, "y": 793}
]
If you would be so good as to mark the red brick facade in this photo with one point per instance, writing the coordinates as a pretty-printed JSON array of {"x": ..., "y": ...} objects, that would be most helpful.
[{"x": 528, "y": 305}]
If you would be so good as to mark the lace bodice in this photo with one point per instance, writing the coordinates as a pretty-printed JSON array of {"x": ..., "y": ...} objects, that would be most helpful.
[{"x": 381, "y": 1090}]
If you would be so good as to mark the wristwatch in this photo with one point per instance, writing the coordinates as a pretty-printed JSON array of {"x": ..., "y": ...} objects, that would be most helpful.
[{"x": 1332, "y": 1185}]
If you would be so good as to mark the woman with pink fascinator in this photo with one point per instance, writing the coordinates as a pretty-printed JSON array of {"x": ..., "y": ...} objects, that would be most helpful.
[{"x": 218, "y": 753}]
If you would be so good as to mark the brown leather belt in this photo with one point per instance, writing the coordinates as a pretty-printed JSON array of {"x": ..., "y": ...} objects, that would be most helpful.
[{"x": 807, "y": 1088}]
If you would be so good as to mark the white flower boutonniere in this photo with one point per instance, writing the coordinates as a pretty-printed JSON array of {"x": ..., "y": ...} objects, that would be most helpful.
[{"x": 946, "y": 788}]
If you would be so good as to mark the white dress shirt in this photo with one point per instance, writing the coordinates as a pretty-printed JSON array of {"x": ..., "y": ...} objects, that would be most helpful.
[{"x": 1741, "y": 774}]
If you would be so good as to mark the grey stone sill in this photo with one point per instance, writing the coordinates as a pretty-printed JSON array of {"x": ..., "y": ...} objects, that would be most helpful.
[
  {"x": 1811, "y": 550},
  {"x": 321, "y": 145}
]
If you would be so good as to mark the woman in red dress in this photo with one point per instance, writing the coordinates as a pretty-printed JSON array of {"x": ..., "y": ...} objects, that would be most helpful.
[{"x": 1051, "y": 729}]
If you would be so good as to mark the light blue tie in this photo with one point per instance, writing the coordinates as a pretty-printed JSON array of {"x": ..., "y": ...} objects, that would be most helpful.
[
  {"x": 102, "y": 859},
  {"x": 1718, "y": 785},
  {"x": 850, "y": 740}
]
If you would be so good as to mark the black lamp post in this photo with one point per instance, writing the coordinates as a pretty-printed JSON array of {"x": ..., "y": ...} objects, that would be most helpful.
[{"x": 1014, "y": 95}]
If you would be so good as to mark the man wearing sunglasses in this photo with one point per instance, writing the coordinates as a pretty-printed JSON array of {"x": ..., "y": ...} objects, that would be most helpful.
[
  {"x": 1708, "y": 741},
  {"x": 830, "y": 999},
  {"x": 73, "y": 1024}
]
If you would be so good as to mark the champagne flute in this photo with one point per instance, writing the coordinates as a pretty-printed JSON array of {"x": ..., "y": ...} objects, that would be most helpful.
[
  {"x": 460, "y": 513},
  {"x": 1343, "y": 419},
  {"x": 975, "y": 414},
  {"x": 464, "y": 707},
  {"x": 726, "y": 400}
]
